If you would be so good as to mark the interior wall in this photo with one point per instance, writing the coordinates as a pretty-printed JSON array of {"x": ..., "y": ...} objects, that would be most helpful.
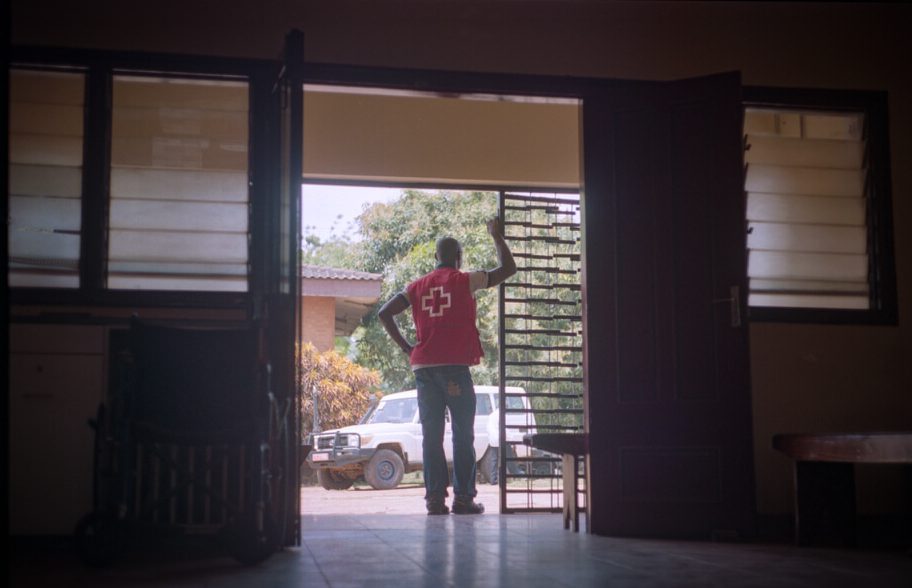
[
  {"x": 55, "y": 373},
  {"x": 805, "y": 377},
  {"x": 440, "y": 140}
]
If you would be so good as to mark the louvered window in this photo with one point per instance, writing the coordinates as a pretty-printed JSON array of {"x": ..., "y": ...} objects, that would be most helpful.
[
  {"x": 809, "y": 210},
  {"x": 46, "y": 114},
  {"x": 179, "y": 186}
]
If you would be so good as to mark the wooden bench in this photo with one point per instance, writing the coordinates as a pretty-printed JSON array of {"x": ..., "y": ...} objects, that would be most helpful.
[
  {"x": 825, "y": 479},
  {"x": 571, "y": 446}
]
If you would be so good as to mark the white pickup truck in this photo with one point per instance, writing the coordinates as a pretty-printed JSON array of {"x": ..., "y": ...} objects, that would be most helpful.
[{"x": 387, "y": 444}]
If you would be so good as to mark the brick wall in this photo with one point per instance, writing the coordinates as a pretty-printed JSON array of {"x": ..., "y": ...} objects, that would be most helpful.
[{"x": 318, "y": 321}]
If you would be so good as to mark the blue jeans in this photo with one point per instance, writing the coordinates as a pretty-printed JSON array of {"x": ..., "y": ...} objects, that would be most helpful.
[{"x": 440, "y": 388}]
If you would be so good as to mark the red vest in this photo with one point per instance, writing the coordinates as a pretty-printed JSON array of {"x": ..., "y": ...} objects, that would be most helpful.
[{"x": 444, "y": 312}]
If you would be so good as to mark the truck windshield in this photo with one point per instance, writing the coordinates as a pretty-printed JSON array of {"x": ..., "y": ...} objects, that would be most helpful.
[
  {"x": 513, "y": 402},
  {"x": 395, "y": 411}
]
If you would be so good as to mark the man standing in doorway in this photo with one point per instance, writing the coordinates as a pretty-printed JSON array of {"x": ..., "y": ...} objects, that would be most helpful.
[{"x": 443, "y": 308}]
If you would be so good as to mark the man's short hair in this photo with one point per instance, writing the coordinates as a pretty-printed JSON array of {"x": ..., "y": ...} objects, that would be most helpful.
[{"x": 449, "y": 251}]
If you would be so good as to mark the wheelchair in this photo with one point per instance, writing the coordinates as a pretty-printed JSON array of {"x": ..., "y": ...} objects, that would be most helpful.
[{"x": 194, "y": 442}]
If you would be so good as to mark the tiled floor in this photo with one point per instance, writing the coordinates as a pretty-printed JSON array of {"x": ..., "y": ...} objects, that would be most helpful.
[{"x": 489, "y": 550}]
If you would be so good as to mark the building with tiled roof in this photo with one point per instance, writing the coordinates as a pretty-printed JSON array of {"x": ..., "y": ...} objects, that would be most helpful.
[{"x": 333, "y": 302}]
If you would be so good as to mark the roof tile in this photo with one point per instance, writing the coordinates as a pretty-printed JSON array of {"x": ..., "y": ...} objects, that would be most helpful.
[{"x": 334, "y": 273}]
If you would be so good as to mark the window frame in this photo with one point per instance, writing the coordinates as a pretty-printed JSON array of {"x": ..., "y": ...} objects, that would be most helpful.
[
  {"x": 100, "y": 67},
  {"x": 878, "y": 205}
]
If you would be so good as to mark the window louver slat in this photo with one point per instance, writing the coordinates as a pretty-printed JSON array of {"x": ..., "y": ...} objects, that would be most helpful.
[
  {"x": 807, "y": 238},
  {"x": 819, "y": 210},
  {"x": 801, "y": 153},
  {"x": 806, "y": 181}
]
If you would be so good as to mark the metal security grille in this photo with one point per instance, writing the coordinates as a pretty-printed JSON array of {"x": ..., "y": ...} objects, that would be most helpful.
[{"x": 541, "y": 345}]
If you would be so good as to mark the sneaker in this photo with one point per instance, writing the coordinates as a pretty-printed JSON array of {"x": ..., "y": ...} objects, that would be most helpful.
[
  {"x": 437, "y": 507},
  {"x": 467, "y": 506}
]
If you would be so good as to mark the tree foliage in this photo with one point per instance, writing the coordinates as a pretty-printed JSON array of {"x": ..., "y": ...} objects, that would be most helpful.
[
  {"x": 334, "y": 252},
  {"x": 344, "y": 388}
]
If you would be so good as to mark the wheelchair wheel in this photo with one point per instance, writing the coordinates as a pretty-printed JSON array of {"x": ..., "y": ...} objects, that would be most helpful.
[{"x": 99, "y": 538}]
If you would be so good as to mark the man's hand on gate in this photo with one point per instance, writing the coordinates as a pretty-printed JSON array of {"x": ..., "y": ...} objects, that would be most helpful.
[
  {"x": 506, "y": 267},
  {"x": 495, "y": 227}
]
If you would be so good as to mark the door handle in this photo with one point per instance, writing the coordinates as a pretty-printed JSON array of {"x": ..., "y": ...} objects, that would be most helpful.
[{"x": 734, "y": 302}]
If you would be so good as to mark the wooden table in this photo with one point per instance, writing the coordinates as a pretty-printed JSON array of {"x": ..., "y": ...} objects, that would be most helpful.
[
  {"x": 571, "y": 446},
  {"x": 825, "y": 478}
]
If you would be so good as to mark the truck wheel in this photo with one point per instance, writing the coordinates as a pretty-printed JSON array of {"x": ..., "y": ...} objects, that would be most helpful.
[
  {"x": 384, "y": 470},
  {"x": 488, "y": 466},
  {"x": 331, "y": 480}
]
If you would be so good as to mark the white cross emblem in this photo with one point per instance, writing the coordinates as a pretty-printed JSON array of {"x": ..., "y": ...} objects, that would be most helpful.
[{"x": 436, "y": 301}]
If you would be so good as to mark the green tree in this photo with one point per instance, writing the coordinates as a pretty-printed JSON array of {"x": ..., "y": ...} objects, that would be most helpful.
[{"x": 333, "y": 252}]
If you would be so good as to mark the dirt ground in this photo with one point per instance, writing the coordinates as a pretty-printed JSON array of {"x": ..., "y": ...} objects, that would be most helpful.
[{"x": 408, "y": 498}]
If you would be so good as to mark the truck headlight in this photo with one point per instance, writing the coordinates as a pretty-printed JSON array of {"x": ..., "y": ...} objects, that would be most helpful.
[{"x": 349, "y": 440}]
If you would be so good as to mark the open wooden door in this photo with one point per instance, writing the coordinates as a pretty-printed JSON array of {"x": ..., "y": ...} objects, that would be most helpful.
[
  {"x": 281, "y": 309},
  {"x": 668, "y": 399}
]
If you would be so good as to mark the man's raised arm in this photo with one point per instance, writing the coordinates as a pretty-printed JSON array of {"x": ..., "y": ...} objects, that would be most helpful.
[
  {"x": 394, "y": 306},
  {"x": 507, "y": 266}
]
